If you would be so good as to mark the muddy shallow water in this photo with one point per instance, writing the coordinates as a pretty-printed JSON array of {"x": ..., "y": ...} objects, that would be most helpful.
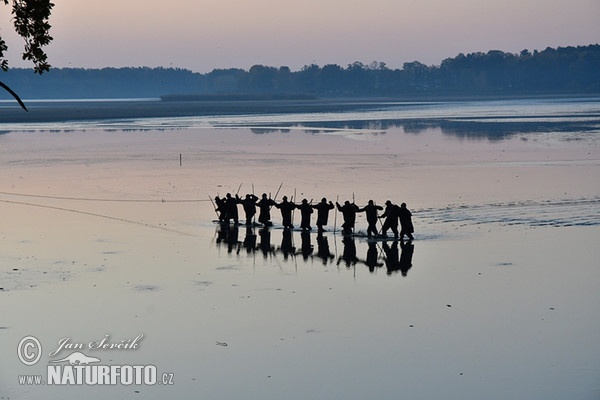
[{"x": 109, "y": 232}]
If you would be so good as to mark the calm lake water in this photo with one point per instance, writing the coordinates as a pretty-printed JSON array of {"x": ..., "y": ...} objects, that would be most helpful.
[{"x": 108, "y": 230}]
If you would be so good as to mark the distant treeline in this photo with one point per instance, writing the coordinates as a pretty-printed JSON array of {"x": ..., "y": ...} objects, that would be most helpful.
[{"x": 564, "y": 70}]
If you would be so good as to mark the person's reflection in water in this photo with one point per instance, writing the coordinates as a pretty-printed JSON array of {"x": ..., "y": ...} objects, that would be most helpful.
[
  {"x": 372, "y": 257},
  {"x": 349, "y": 254},
  {"x": 392, "y": 260},
  {"x": 232, "y": 239},
  {"x": 265, "y": 242},
  {"x": 406, "y": 256},
  {"x": 323, "y": 249},
  {"x": 395, "y": 263},
  {"x": 250, "y": 240},
  {"x": 287, "y": 245},
  {"x": 222, "y": 233},
  {"x": 307, "y": 247}
]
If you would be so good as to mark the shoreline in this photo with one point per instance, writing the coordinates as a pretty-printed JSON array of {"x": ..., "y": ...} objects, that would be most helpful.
[{"x": 58, "y": 110}]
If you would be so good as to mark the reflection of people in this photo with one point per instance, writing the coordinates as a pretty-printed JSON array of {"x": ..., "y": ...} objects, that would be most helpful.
[
  {"x": 287, "y": 245},
  {"x": 307, "y": 247},
  {"x": 372, "y": 257},
  {"x": 406, "y": 226},
  {"x": 323, "y": 249},
  {"x": 264, "y": 205},
  {"x": 249, "y": 204},
  {"x": 323, "y": 213},
  {"x": 228, "y": 236},
  {"x": 349, "y": 254},
  {"x": 392, "y": 261},
  {"x": 391, "y": 218},
  {"x": 286, "y": 208},
  {"x": 250, "y": 240},
  {"x": 222, "y": 233},
  {"x": 348, "y": 211},
  {"x": 232, "y": 239},
  {"x": 305, "y": 211},
  {"x": 406, "y": 257},
  {"x": 371, "y": 211},
  {"x": 265, "y": 242}
]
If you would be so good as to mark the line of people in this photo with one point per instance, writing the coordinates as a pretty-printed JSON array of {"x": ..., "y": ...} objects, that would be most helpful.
[{"x": 393, "y": 215}]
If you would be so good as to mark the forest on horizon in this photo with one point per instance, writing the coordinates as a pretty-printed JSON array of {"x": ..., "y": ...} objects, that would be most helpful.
[{"x": 560, "y": 71}]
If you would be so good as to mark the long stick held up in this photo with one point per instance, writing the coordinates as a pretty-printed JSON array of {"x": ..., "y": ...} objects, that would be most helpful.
[
  {"x": 278, "y": 189},
  {"x": 337, "y": 199},
  {"x": 214, "y": 206},
  {"x": 294, "y": 209}
]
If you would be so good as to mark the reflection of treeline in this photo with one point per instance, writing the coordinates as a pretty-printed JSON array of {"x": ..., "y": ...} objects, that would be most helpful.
[{"x": 565, "y": 70}]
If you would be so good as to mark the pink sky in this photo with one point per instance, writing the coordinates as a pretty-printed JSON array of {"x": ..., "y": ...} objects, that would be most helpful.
[{"x": 205, "y": 34}]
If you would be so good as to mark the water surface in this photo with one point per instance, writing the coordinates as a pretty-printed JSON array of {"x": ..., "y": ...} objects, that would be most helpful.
[{"x": 105, "y": 232}]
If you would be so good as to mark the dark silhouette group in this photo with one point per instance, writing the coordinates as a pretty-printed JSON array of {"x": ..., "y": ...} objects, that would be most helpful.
[{"x": 393, "y": 215}]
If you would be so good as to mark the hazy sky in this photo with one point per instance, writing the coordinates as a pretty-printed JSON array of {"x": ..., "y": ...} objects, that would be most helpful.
[{"x": 205, "y": 34}]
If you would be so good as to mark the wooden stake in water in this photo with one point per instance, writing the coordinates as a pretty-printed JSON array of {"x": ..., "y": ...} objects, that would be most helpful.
[{"x": 180, "y": 160}]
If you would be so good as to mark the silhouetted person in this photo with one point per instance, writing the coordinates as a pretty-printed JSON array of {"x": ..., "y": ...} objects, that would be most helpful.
[
  {"x": 348, "y": 211},
  {"x": 323, "y": 249},
  {"x": 286, "y": 208},
  {"x": 264, "y": 205},
  {"x": 249, "y": 204},
  {"x": 371, "y": 211},
  {"x": 306, "y": 211},
  {"x": 323, "y": 213},
  {"x": 220, "y": 208},
  {"x": 406, "y": 225},
  {"x": 307, "y": 247},
  {"x": 231, "y": 207},
  {"x": 406, "y": 257},
  {"x": 391, "y": 215},
  {"x": 372, "y": 257}
]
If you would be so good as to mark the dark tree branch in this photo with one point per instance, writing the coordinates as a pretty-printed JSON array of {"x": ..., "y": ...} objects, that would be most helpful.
[{"x": 16, "y": 96}]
